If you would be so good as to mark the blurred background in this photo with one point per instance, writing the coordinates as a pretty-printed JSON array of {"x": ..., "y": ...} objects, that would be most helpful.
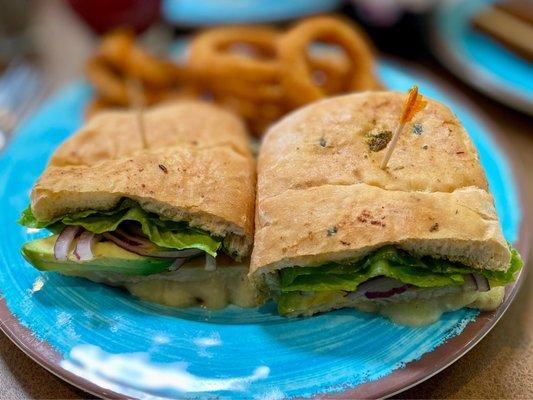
[
  {"x": 485, "y": 46},
  {"x": 479, "y": 51}
]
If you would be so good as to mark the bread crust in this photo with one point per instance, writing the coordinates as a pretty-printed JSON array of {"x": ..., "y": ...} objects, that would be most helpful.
[
  {"x": 115, "y": 134},
  {"x": 210, "y": 184},
  {"x": 328, "y": 200},
  {"x": 327, "y": 143},
  {"x": 334, "y": 223}
]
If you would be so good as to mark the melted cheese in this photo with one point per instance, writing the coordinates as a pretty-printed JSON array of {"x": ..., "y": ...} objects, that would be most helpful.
[
  {"x": 191, "y": 285},
  {"x": 411, "y": 308},
  {"x": 426, "y": 311},
  {"x": 212, "y": 290}
]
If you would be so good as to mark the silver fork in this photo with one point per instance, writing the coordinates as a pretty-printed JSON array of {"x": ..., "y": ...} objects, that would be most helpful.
[{"x": 21, "y": 89}]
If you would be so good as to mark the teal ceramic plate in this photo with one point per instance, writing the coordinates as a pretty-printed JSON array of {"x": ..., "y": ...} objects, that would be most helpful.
[
  {"x": 211, "y": 12},
  {"x": 478, "y": 59},
  {"x": 110, "y": 344}
]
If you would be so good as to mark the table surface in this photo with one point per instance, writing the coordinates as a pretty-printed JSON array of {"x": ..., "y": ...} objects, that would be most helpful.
[{"x": 501, "y": 366}]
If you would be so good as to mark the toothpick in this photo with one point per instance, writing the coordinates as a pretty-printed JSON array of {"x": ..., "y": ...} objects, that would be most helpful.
[
  {"x": 136, "y": 97},
  {"x": 414, "y": 103}
]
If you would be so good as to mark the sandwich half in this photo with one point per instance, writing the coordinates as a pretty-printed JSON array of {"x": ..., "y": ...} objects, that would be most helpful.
[
  {"x": 412, "y": 241},
  {"x": 169, "y": 217}
]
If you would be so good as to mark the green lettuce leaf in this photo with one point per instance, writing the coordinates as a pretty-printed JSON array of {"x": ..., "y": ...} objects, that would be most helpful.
[
  {"x": 501, "y": 278},
  {"x": 394, "y": 263},
  {"x": 162, "y": 232}
]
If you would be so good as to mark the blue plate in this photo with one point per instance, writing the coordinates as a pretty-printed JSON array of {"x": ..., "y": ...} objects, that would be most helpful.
[
  {"x": 211, "y": 12},
  {"x": 107, "y": 342},
  {"x": 478, "y": 59}
]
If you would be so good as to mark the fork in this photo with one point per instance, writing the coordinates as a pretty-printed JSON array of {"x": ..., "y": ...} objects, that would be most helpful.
[{"x": 21, "y": 89}]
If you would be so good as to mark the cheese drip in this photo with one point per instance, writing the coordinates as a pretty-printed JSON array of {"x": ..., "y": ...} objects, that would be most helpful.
[
  {"x": 189, "y": 286},
  {"x": 422, "y": 308}
]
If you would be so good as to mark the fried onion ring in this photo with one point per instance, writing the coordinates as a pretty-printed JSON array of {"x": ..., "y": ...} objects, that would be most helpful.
[
  {"x": 297, "y": 76},
  {"x": 258, "y": 116},
  {"x": 212, "y": 53},
  {"x": 107, "y": 83},
  {"x": 257, "y": 72},
  {"x": 329, "y": 71},
  {"x": 257, "y": 91},
  {"x": 119, "y": 50},
  {"x": 111, "y": 87},
  {"x": 96, "y": 106}
]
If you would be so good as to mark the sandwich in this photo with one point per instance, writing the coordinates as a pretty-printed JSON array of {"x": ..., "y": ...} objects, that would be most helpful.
[
  {"x": 168, "y": 215},
  {"x": 410, "y": 241}
]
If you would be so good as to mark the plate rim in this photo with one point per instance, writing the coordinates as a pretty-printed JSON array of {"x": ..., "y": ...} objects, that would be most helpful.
[
  {"x": 41, "y": 352},
  {"x": 467, "y": 71}
]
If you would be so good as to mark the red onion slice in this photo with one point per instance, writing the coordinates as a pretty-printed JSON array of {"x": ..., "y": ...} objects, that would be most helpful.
[
  {"x": 379, "y": 284},
  {"x": 482, "y": 283},
  {"x": 147, "y": 249},
  {"x": 470, "y": 282},
  {"x": 64, "y": 241},
  {"x": 126, "y": 244},
  {"x": 176, "y": 253},
  {"x": 177, "y": 264},
  {"x": 383, "y": 287},
  {"x": 380, "y": 287},
  {"x": 144, "y": 241},
  {"x": 210, "y": 262},
  {"x": 132, "y": 239},
  {"x": 388, "y": 293},
  {"x": 84, "y": 246}
]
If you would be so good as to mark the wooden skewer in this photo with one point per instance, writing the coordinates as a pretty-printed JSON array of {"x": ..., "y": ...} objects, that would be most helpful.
[
  {"x": 414, "y": 103},
  {"x": 137, "y": 103},
  {"x": 392, "y": 145}
]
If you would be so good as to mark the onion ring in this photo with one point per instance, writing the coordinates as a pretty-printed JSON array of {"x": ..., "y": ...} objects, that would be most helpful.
[
  {"x": 257, "y": 72},
  {"x": 111, "y": 87},
  {"x": 96, "y": 106},
  {"x": 245, "y": 108},
  {"x": 153, "y": 72},
  {"x": 329, "y": 71},
  {"x": 211, "y": 55},
  {"x": 107, "y": 83},
  {"x": 293, "y": 47},
  {"x": 268, "y": 92},
  {"x": 258, "y": 116},
  {"x": 119, "y": 50},
  {"x": 116, "y": 47}
]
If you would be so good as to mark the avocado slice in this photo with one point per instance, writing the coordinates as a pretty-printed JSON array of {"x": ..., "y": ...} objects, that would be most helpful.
[{"x": 108, "y": 257}]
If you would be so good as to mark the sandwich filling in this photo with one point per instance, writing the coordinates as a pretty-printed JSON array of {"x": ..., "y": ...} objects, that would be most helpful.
[
  {"x": 156, "y": 259},
  {"x": 390, "y": 279},
  {"x": 154, "y": 243}
]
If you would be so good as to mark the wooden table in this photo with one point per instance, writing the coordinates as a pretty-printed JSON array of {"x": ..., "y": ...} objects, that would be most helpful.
[{"x": 501, "y": 366}]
